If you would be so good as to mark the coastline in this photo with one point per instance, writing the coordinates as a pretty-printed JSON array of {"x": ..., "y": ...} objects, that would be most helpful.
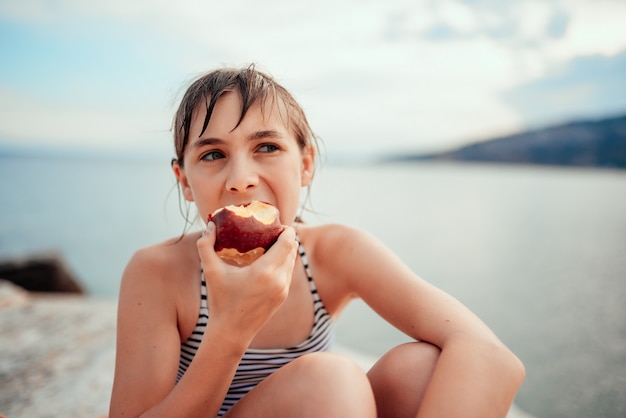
[{"x": 57, "y": 354}]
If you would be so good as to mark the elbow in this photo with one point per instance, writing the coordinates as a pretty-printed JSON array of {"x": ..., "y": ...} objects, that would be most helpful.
[
  {"x": 508, "y": 374},
  {"x": 498, "y": 364},
  {"x": 519, "y": 372},
  {"x": 511, "y": 368}
]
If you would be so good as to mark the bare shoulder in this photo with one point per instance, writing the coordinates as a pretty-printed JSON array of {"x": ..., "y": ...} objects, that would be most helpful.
[
  {"x": 336, "y": 244},
  {"x": 161, "y": 268},
  {"x": 335, "y": 253},
  {"x": 333, "y": 237},
  {"x": 164, "y": 255},
  {"x": 355, "y": 262}
]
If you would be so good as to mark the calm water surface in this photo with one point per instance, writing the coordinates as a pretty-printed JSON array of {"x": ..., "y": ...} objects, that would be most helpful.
[{"x": 538, "y": 253}]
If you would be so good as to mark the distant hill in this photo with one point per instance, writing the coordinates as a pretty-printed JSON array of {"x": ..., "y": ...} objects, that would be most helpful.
[{"x": 595, "y": 143}]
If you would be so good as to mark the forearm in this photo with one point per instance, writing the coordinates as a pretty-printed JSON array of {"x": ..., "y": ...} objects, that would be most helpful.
[{"x": 472, "y": 379}]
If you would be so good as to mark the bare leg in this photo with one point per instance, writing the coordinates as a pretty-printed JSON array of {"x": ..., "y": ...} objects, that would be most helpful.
[
  {"x": 318, "y": 385},
  {"x": 399, "y": 379}
]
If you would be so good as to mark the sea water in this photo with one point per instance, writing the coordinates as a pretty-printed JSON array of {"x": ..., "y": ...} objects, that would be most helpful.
[{"x": 538, "y": 253}]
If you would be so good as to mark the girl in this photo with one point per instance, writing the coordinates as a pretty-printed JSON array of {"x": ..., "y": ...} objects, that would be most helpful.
[{"x": 198, "y": 337}]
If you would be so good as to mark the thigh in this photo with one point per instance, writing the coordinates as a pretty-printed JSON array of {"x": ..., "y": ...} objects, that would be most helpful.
[
  {"x": 399, "y": 379},
  {"x": 318, "y": 385}
]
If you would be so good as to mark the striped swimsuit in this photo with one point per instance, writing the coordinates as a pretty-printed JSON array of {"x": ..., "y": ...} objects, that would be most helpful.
[{"x": 257, "y": 364}]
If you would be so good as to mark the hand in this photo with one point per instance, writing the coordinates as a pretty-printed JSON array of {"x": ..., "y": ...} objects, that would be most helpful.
[{"x": 245, "y": 298}]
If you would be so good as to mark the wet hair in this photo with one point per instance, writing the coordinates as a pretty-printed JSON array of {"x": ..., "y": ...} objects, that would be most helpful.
[{"x": 253, "y": 86}]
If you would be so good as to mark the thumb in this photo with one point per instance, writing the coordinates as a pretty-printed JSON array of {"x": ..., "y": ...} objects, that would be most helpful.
[{"x": 206, "y": 243}]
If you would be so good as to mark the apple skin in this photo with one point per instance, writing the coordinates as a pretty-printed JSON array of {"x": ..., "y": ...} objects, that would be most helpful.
[{"x": 244, "y": 233}]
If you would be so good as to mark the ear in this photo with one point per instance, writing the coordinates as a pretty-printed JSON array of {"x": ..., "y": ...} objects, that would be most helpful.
[
  {"x": 179, "y": 172},
  {"x": 308, "y": 165}
]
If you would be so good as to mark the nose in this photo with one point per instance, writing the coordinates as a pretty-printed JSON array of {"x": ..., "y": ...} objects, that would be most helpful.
[{"x": 242, "y": 175}]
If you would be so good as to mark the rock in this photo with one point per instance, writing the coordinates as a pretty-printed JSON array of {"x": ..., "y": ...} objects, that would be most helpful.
[
  {"x": 57, "y": 354},
  {"x": 40, "y": 273},
  {"x": 12, "y": 295}
]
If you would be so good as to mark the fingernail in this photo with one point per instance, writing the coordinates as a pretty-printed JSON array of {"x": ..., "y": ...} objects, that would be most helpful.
[{"x": 210, "y": 227}]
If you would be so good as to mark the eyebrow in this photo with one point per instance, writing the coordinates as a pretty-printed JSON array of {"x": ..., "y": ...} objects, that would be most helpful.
[
  {"x": 254, "y": 136},
  {"x": 201, "y": 142},
  {"x": 269, "y": 133}
]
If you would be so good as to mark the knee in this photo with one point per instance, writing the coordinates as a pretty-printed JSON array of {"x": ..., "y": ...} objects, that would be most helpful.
[
  {"x": 410, "y": 358},
  {"x": 337, "y": 382},
  {"x": 399, "y": 379},
  {"x": 330, "y": 370},
  {"x": 315, "y": 385}
]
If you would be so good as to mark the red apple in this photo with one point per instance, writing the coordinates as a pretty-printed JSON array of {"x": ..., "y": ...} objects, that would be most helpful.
[{"x": 245, "y": 232}]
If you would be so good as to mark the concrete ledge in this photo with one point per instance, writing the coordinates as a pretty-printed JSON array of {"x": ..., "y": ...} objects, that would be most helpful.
[{"x": 56, "y": 354}]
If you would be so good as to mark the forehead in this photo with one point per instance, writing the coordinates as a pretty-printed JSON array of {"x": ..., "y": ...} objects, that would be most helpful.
[{"x": 229, "y": 114}]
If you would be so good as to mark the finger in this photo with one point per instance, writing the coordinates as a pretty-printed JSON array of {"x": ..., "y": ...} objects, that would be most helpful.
[
  {"x": 285, "y": 243},
  {"x": 282, "y": 255},
  {"x": 206, "y": 244}
]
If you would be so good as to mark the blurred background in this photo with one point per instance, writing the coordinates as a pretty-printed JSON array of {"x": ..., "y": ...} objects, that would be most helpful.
[{"x": 483, "y": 141}]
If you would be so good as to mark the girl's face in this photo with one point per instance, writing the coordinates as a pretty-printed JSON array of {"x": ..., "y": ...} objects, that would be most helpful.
[{"x": 258, "y": 160}]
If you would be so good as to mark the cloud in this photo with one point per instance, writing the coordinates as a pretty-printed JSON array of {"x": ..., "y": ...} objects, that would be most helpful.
[
  {"x": 393, "y": 75},
  {"x": 26, "y": 119},
  {"x": 595, "y": 28},
  {"x": 585, "y": 87}
]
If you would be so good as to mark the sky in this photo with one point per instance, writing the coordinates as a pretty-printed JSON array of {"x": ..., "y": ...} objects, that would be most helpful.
[{"x": 374, "y": 77}]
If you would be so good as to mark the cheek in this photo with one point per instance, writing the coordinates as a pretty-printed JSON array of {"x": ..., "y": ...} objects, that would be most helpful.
[
  {"x": 290, "y": 207},
  {"x": 203, "y": 212},
  {"x": 203, "y": 196}
]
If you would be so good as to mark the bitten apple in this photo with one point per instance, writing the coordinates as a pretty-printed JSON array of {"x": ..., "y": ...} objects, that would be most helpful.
[{"x": 245, "y": 232}]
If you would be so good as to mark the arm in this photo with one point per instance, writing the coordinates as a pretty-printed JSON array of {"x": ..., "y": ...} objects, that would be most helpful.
[
  {"x": 149, "y": 342},
  {"x": 476, "y": 375}
]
